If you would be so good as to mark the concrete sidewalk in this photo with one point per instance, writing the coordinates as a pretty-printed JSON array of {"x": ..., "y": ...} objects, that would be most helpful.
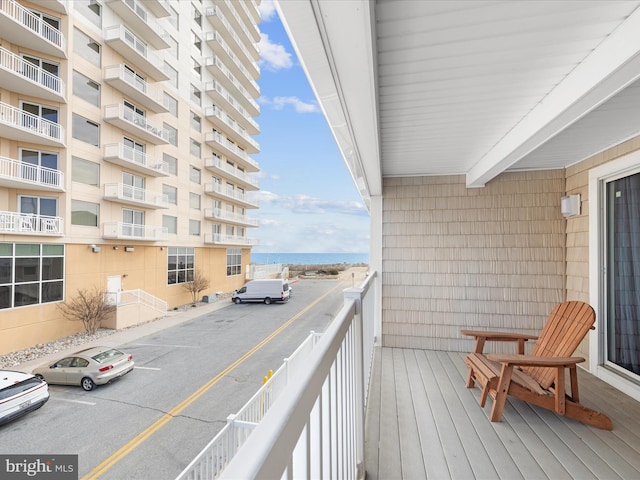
[{"x": 130, "y": 334}]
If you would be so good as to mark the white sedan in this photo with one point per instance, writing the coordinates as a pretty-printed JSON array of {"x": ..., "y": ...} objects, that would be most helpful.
[{"x": 20, "y": 393}]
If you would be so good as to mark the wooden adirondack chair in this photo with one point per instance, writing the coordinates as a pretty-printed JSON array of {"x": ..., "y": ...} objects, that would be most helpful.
[{"x": 538, "y": 378}]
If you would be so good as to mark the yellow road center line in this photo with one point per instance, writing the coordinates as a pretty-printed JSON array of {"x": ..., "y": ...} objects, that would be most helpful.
[{"x": 175, "y": 411}]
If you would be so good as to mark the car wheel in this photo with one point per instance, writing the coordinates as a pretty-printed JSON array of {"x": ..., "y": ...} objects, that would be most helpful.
[
  {"x": 237, "y": 300},
  {"x": 267, "y": 301},
  {"x": 87, "y": 384}
]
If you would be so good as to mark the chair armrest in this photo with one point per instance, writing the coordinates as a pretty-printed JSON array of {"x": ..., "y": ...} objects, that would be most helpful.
[
  {"x": 483, "y": 336},
  {"x": 533, "y": 361}
]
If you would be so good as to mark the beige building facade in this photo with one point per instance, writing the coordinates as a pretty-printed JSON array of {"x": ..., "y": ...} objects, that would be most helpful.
[{"x": 127, "y": 129}]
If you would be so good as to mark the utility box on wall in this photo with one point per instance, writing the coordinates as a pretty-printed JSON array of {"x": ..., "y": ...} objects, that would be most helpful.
[{"x": 570, "y": 205}]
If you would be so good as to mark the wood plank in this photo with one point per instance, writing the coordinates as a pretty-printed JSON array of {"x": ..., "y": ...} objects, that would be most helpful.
[
  {"x": 389, "y": 464},
  {"x": 372, "y": 418}
]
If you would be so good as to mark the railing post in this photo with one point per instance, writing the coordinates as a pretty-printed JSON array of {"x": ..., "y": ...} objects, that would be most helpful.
[{"x": 355, "y": 295}]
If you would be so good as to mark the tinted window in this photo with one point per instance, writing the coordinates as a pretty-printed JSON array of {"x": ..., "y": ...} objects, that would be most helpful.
[{"x": 17, "y": 388}]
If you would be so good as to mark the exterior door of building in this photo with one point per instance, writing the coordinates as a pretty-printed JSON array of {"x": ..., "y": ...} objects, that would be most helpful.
[{"x": 114, "y": 287}]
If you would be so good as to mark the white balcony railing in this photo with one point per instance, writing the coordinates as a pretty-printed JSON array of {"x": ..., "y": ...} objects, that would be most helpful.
[
  {"x": 215, "y": 88},
  {"x": 30, "y": 224},
  {"x": 215, "y": 137},
  {"x": 134, "y": 159},
  {"x": 26, "y": 121},
  {"x": 308, "y": 423},
  {"x": 221, "y": 239},
  {"x": 140, "y": 86},
  {"x": 132, "y": 231},
  {"x": 217, "y": 189},
  {"x": 220, "y": 214},
  {"x": 217, "y": 112},
  {"x": 31, "y": 72},
  {"x": 130, "y": 194},
  {"x": 129, "y": 118},
  {"x": 34, "y": 174},
  {"x": 129, "y": 297},
  {"x": 25, "y": 17},
  {"x": 217, "y": 164}
]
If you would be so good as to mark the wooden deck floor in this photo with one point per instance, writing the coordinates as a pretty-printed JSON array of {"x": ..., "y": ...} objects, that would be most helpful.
[{"x": 422, "y": 422}]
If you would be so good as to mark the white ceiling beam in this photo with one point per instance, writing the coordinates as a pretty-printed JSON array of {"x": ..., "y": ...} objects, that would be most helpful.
[{"x": 610, "y": 68}]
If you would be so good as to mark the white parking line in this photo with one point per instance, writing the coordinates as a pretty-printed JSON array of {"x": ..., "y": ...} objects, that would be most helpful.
[
  {"x": 162, "y": 345},
  {"x": 145, "y": 368},
  {"x": 82, "y": 402}
]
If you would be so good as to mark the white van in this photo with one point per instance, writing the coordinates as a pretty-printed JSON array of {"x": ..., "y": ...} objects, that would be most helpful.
[{"x": 267, "y": 291}]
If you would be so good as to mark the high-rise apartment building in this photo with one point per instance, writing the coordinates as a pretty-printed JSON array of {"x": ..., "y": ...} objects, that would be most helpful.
[{"x": 126, "y": 139}]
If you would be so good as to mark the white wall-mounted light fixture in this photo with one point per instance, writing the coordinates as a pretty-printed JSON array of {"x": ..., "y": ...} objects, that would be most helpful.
[
  {"x": 570, "y": 205},
  {"x": 94, "y": 248},
  {"x": 129, "y": 249}
]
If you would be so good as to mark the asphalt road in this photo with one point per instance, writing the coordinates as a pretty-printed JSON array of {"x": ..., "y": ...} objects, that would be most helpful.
[{"x": 151, "y": 423}]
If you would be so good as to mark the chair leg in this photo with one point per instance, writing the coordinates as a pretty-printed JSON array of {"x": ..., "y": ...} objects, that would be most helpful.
[
  {"x": 470, "y": 378},
  {"x": 501, "y": 392}
]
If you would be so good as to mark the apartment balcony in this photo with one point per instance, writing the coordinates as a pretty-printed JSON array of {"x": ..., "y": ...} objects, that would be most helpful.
[
  {"x": 247, "y": 12},
  {"x": 131, "y": 231},
  {"x": 220, "y": 239},
  {"x": 244, "y": 84},
  {"x": 221, "y": 96},
  {"x": 16, "y": 124},
  {"x": 130, "y": 195},
  {"x": 221, "y": 167},
  {"x": 138, "y": 90},
  {"x": 223, "y": 121},
  {"x": 136, "y": 51},
  {"x": 59, "y": 6},
  {"x": 134, "y": 123},
  {"x": 241, "y": 46},
  {"x": 30, "y": 224},
  {"x": 229, "y": 195},
  {"x": 241, "y": 67},
  {"x": 25, "y": 176},
  {"x": 135, "y": 14},
  {"x": 160, "y": 8},
  {"x": 24, "y": 77},
  {"x": 135, "y": 160},
  {"x": 229, "y": 149},
  {"x": 27, "y": 30},
  {"x": 230, "y": 218}
]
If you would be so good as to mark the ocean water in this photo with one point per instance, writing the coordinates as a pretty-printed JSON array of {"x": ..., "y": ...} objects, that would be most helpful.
[{"x": 308, "y": 258}]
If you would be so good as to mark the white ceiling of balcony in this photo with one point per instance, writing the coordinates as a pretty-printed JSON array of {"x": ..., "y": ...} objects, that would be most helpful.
[{"x": 469, "y": 87}]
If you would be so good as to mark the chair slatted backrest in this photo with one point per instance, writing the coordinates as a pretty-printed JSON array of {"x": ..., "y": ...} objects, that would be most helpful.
[{"x": 566, "y": 326}]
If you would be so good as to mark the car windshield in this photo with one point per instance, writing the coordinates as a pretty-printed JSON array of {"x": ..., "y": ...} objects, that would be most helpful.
[
  {"x": 107, "y": 355},
  {"x": 20, "y": 387}
]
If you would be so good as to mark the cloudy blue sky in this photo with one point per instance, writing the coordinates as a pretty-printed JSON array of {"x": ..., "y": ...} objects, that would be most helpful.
[{"x": 308, "y": 201}]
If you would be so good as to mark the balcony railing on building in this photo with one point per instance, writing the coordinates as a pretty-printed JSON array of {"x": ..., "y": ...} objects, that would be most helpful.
[
  {"x": 136, "y": 51},
  {"x": 221, "y": 239},
  {"x": 132, "y": 231},
  {"x": 136, "y": 160},
  {"x": 24, "y": 77},
  {"x": 135, "y": 88},
  {"x": 230, "y": 217},
  {"x": 231, "y": 150},
  {"x": 136, "y": 15},
  {"x": 136, "y": 124},
  {"x": 218, "y": 165},
  {"x": 248, "y": 12},
  {"x": 219, "y": 46},
  {"x": 28, "y": 30},
  {"x": 31, "y": 224},
  {"x": 221, "y": 96},
  {"x": 309, "y": 422},
  {"x": 17, "y": 174},
  {"x": 226, "y": 193},
  {"x": 223, "y": 121},
  {"x": 17, "y": 124},
  {"x": 131, "y": 195},
  {"x": 220, "y": 71}
]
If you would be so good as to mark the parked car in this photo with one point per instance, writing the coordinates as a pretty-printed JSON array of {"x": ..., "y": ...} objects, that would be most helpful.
[
  {"x": 87, "y": 368},
  {"x": 20, "y": 393},
  {"x": 264, "y": 290}
]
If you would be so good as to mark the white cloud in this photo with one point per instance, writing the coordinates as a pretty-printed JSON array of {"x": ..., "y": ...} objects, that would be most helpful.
[
  {"x": 267, "y": 10},
  {"x": 303, "y": 204},
  {"x": 300, "y": 107},
  {"x": 273, "y": 56}
]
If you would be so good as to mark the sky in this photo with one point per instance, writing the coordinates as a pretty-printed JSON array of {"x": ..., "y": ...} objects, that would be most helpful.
[{"x": 308, "y": 200}]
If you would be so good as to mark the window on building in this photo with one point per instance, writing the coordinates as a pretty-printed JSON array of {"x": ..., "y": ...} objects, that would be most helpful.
[
  {"x": 171, "y": 193},
  {"x": 45, "y": 206},
  {"x": 197, "y": 41},
  {"x": 171, "y": 163},
  {"x": 195, "y": 175},
  {"x": 234, "y": 261},
  {"x": 37, "y": 76},
  {"x": 194, "y": 201},
  {"x": 180, "y": 264},
  {"x": 89, "y": 9},
  {"x": 196, "y": 95},
  {"x": 197, "y": 68},
  {"x": 86, "y": 89},
  {"x": 194, "y": 227},
  {"x": 84, "y": 213},
  {"x": 86, "y": 47},
  {"x": 195, "y": 148},
  {"x": 31, "y": 274},
  {"x": 197, "y": 15},
  {"x": 170, "y": 133},
  {"x": 171, "y": 103},
  {"x": 85, "y": 130},
  {"x": 196, "y": 122},
  {"x": 173, "y": 46},
  {"x": 42, "y": 111},
  {"x": 173, "y": 74},
  {"x": 84, "y": 171},
  {"x": 133, "y": 223},
  {"x": 38, "y": 158},
  {"x": 170, "y": 223}
]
